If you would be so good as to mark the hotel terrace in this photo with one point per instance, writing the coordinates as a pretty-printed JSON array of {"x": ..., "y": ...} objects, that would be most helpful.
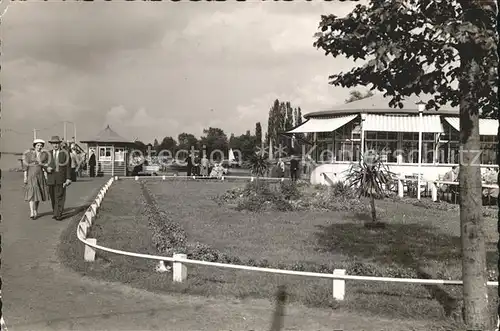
[{"x": 344, "y": 133}]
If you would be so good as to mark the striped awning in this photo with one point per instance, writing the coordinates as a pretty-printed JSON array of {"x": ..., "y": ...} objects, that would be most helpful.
[
  {"x": 487, "y": 126},
  {"x": 323, "y": 124},
  {"x": 403, "y": 123}
]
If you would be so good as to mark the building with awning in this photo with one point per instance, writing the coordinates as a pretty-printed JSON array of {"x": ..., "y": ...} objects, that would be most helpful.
[{"x": 342, "y": 134}]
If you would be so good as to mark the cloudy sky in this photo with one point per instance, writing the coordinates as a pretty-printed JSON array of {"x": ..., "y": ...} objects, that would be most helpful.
[{"x": 151, "y": 70}]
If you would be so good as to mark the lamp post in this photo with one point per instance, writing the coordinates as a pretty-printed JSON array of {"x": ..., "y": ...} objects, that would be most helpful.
[{"x": 421, "y": 107}]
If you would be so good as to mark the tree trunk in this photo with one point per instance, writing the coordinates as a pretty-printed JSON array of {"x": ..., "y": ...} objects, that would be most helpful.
[
  {"x": 374, "y": 211},
  {"x": 498, "y": 183},
  {"x": 475, "y": 292},
  {"x": 498, "y": 221}
]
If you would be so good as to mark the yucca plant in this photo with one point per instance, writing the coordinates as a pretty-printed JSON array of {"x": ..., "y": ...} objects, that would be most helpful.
[
  {"x": 369, "y": 178},
  {"x": 259, "y": 165}
]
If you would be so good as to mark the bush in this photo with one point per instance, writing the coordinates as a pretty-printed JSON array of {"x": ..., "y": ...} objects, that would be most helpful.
[
  {"x": 169, "y": 238},
  {"x": 289, "y": 190}
]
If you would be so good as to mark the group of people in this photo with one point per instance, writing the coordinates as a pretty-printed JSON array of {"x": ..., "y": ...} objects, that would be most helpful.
[
  {"x": 197, "y": 166},
  {"x": 294, "y": 168},
  {"x": 47, "y": 174}
]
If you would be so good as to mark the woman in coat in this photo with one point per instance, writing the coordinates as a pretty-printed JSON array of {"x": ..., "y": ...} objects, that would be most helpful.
[{"x": 35, "y": 183}]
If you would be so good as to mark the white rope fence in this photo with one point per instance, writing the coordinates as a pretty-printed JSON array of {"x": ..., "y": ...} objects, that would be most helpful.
[{"x": 180, "y": 261}]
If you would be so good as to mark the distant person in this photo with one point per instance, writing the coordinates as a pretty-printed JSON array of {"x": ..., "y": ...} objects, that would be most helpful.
[
  {"x": 294, "y": 168},
  {"x": 450, "y": 176},
  {"x": 92, "y": 164},
  {"x": 218, "y": 171},
  {"x": 189, "y": 162},
  {"x": 35, "y": 184},
  {"x": 204, "y": 166},
  {"x": 74, "y": 161},
  {"x": 281, "y": 168},
  {"x": 197, "y": 162},
  {"x": 58, "y": 176}
]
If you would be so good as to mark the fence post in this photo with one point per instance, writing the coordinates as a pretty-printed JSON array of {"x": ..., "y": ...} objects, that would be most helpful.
[
  {"x": 434, "y": 191},
  {"x": 163, "y": 177},
  {"x": 180, "y": 270},
  {"x": 339, "y": 285},
  {"x": 89, "y": 216},
  {"x": 89, "y": 254},
  {"x": 222, "y": 178},
  {"x": 83, "y": 227},
  {"x": 400, "y": 188}
]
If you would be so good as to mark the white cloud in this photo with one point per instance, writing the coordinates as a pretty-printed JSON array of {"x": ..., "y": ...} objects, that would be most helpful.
[{"x": 156, "y": 70}]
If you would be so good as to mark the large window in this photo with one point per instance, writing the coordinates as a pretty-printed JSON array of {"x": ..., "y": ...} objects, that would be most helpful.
[
  {"x": 348, "y": 142},
  {"x": 449, "y": 146},
  {"x": 105, "y": 154},
  {"x": 488, "y": 149},
  {"x": 119, "y": 154},
  {"x": 428, "y": 147},
  {"x": 384, "y": 144}
]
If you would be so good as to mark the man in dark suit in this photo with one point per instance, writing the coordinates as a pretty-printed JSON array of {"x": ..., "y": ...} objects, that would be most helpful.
[
  {"x": 294, "y": 168},
  {"x": 189, "y": 162},
  {"x": 58, "y": 176},
  {"x": 92, "y": 163}
]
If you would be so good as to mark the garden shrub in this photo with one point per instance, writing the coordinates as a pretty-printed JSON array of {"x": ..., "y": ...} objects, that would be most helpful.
[
  {"x": 289, "y": 190},
  {"x": 169, "y": 237}
]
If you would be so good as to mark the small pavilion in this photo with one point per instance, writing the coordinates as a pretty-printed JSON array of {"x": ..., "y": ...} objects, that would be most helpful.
[{"x": 111, "y": 151}]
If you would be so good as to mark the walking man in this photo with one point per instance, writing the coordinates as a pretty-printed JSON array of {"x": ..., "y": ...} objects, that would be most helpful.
[
  {"x": 294, "y": 168},
  {"x": 58, "y": 176}
]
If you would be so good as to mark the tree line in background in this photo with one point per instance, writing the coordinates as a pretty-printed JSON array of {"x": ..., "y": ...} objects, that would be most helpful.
[{"x": 282, "y": 117}]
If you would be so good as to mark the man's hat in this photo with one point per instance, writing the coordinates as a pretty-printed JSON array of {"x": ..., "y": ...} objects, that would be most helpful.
[{"x": 55, "y": 140}]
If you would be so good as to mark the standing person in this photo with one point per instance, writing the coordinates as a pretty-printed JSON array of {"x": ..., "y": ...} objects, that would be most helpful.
[
  {"x": 197, "y": 162},
  {"x": 281, "y": 168},
  {"x": 58, "y": 176},
  {"x": 294, "y": 168},
  {"x": 92, "y": 163},
  {"x": 204, "y": 166},
  {"x": 34, "y": 178},
  {"x": 189, "y": 161},
  {"x": 74, "y": 161}
]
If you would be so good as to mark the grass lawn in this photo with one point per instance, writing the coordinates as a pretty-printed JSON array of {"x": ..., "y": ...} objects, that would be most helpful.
[{"x": 421, "y": 242}]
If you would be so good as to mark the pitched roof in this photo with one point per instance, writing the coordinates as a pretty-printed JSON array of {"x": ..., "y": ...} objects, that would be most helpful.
[
  {"x": 380, "y": 104},
  {"x": 108, "y": 136}
]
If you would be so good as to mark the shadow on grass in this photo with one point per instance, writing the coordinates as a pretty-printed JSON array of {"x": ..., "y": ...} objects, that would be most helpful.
[
  {"x": 407, "y": 245},
  {"x": 401, "y": 244}
]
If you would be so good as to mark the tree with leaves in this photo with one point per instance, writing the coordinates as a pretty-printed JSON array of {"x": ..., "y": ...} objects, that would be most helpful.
[
  {"x": 444, "y": 48},
  {"x": 214, "y": 139},
  {"x": 187, "y": 141},
  {"x": 258, "y": 134},
  {"x": 358, "y": 95},
  {"x": 156, "y": 145},
  {"x": 282, "y": 118},
  {"x": 168, "y": 144}
]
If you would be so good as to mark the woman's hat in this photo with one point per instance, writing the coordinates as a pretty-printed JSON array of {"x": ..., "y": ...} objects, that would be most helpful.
[
  {"x": 38, "y": 141},
  {"x": 55, "y": 139}
]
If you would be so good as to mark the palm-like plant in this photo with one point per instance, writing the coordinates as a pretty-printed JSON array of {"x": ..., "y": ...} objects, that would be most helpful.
[
  {"x": 369, "y": 178},
  {"x": 259, "y": 165}
]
